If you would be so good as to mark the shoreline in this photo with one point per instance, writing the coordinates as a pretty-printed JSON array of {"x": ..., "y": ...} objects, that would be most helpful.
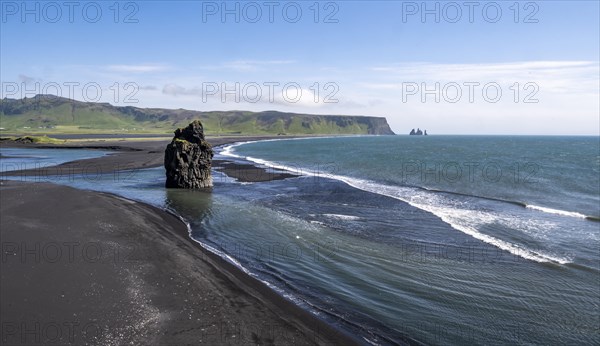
[
  {"x": 139, "y": 155},
  {"x": 322, "y": 332},
  {"x": 288, "y": 322}
]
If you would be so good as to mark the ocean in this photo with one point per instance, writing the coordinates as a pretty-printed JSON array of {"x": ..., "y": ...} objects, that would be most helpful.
[{"x": 405, "y": 239}]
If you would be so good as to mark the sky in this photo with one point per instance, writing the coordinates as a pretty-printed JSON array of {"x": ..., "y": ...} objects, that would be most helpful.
[{"x": 472, "y": 67}]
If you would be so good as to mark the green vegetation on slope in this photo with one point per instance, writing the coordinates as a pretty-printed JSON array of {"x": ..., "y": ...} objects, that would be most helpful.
[
  {"x": 34, "y": 139},
  {"x": 52, "y": 114}
]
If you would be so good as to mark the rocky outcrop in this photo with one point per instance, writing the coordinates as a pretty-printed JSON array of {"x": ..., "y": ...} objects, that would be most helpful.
[
  {"x": 188, "y": 158},
  {"x": 418, "y": 132}
]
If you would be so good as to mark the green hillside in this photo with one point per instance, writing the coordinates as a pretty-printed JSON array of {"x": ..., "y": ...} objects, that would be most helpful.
[{"x": 52, "y": 114}]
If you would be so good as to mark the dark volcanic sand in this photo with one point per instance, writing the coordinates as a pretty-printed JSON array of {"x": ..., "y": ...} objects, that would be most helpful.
[
  {"x": 81, "y": 267},
  {"x": 131, "y": 155},
  {"x": 249, "y": 173}
]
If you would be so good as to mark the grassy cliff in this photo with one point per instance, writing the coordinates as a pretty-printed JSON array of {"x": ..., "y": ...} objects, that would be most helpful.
[{"x": 52, "y": 114}]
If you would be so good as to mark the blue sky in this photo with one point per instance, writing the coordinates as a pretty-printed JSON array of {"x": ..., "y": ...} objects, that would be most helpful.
[{"x": 371, "y": 58}]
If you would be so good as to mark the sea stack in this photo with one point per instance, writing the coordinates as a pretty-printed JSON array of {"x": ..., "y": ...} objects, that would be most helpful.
[{"x": 188, "y": 158}]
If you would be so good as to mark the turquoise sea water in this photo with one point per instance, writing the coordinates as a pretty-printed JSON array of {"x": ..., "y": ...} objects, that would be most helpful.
[{"x": 435, "y": 240}]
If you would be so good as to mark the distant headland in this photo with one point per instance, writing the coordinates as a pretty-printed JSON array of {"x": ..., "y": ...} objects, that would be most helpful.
[{"x": 52, "y": 114}]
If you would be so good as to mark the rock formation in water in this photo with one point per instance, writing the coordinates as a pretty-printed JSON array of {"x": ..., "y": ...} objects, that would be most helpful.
[
  {"x": 188, "y": 158},
  {"x": 418, "y": 132}
]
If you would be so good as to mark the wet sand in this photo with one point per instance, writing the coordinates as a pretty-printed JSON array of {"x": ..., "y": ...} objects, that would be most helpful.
[
  {"x": 82, "y": 267},
  {"x": 248, "y": 172},
  {"x": 132, "y": 155}
]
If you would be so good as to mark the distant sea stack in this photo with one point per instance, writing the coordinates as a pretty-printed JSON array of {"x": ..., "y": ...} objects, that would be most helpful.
[
  {"x": 418, "y": 132},
  {"x": 188, "y": 158}
]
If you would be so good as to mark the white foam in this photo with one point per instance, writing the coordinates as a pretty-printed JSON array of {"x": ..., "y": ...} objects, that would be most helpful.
[
  {"x": 461, "y": 219},
  {"x": 556, "y": 211},
  {"x": 371, "y": 342},
  {"x": 227, "y": 257},
  {"x": 342, "y": 217},
  {"x": 458, "y": 218},
  {"x": 229, "y": 150},
  {"x": 214, "y": 250},
  {"x": 538, "y": 256}
]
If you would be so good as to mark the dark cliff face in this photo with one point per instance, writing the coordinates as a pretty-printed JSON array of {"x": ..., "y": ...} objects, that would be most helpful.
[
  {"x": 188, "y": 159},
  {"x": 379, "y": 126}
]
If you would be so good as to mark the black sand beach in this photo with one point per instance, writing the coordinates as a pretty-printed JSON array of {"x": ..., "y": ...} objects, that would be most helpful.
[
  {"x": 131, "y": 155},
  {"x": 81, "y": 267}
]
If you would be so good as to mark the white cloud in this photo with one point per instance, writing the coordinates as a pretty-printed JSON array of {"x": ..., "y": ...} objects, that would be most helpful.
[
  {"x": 245, "y": 95},
  {"x": 137, "y": 68},
  {"x": 26, "y": 79},
  {"x": 176, "y": 90},
  {"x": 568, "y": 92},
  {"x": 550, "y": 76},
  {"x": 253, "y": 65}
]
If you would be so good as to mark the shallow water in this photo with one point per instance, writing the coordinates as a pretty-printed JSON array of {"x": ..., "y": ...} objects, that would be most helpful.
[
  {"x": 359, "y": 240},
  {"x": 12, "y": 159}
]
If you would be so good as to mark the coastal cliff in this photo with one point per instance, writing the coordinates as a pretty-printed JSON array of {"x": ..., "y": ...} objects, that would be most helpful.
[{"x": 52, "y": 114}]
